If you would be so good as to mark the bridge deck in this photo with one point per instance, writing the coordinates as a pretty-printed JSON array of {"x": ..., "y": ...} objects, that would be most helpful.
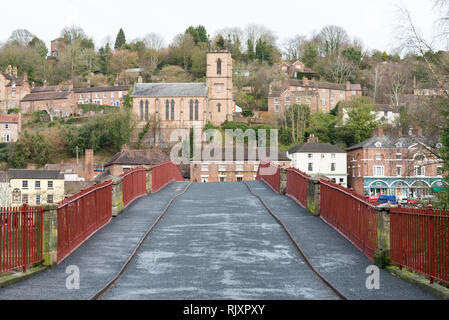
[{"x": 216, "y": 242}]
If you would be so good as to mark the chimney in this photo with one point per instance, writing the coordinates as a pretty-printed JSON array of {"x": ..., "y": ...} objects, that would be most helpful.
[
  {"x": 14, "y": 72},
  {"x": 25, "y": 77},
  {"x": 378, "y": 132},
  {"x": 125, "y": 147},
  {"x": 140, "y": 79},
  {"x": 88, "y": 165},
  {"x": 33, "y": 85},
  {"x": 348, "y": 86},
  {"x": 9, "y": 70},
  {"x": 31, "y": 166},
  {"x": 312, "y": 139},
  {"x": 45, "y": 83}
]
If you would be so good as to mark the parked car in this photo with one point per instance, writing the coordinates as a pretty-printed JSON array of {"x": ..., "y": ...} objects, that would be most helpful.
[
  {"x": 412, "y": 201},
  {"x": 387, "y": 199},
  {"x": 373, "y": 198},
  {"x": 402, "y": 199}
]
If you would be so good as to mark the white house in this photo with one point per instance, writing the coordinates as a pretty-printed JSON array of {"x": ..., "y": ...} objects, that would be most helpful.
[{"x": 322, "y": 159}]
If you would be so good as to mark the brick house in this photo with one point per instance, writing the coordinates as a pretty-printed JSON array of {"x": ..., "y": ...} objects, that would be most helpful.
[
  {"x": 242, "y": 169},
  {"x": 128, "y": 159},
  {"x": 54, "y": 100},
  {"x": 320, "y": 96},
  {"x": 107, "y": 95},
  {"x": 398, "y": 165},
  {"x": 295, "y": 69},
  {"x": 10, "y": 127},
  {"x": 12, "y": 88}
]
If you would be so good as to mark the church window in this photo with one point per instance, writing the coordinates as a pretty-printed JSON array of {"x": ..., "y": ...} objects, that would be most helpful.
[
  {"x": 219, "y": 107},
  {"x": 219, "y": 66},
  {"x": 167, "y": 110},
  {"x": 196, "y": 110},
  {"x": 146, "y": 110},
  {"x": 191, "y": 110},
  {"x": 141, "y": 109},
  {"x": 173, "y": 110}
]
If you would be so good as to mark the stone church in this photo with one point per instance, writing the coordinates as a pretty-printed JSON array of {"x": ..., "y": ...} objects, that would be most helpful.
[{"x": 168, "y": 106}]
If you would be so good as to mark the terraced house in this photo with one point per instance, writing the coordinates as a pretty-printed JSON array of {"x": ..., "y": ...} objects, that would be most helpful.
[
  {"x": 403, "y": 166},
  {"x": 319, "y": 96},
  {"x": 12, "y": 88},
  {"x": 10, "y": 127}
]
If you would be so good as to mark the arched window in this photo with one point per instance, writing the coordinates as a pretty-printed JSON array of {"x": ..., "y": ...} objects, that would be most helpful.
[
  {"x": 191, "y": 110},
  {"x": 196, "y": 110},
  {"x": 173, "y": 110},
  {"x": 141, "y": 110},
  {"x": 219, "y": 66},
  {"x": 167, "y": 110},
  {"x": 219, "y": 107},
  {"x": 146, "y": 110}
]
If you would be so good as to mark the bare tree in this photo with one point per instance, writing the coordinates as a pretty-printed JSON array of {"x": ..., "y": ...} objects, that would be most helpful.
[
  {"x": 154, "y": 41},
  {"x": 293, "y": 47},
  {"x": 340, "y": 69},
  {"x": 21, "y": 36},
  {"x": 332, "y": 39}
]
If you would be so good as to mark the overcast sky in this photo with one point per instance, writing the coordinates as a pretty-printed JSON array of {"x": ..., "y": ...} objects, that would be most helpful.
[{"x": 370, "y": 21}]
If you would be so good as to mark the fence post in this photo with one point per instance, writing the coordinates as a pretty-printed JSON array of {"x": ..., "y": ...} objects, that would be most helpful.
[
  {"x": 50, "y": 235},
  {"x": 313, "y": 196},
  {"x": 149, "y": 180},
  {"x": 382, "y": 255},
  {"x": 283, "y": 181},
  {"x": 117, "y": 196}
]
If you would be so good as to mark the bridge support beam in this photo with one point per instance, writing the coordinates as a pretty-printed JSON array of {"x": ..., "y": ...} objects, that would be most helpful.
[
  {"x": 313, "y": 196},
  {"x": 283, "y": 186},
  {"x": 149, "y": 180},
  {"x": 382, "y": 256},
  {"x": 117, "y": 196},
  {"x": 50, "y": 235}
]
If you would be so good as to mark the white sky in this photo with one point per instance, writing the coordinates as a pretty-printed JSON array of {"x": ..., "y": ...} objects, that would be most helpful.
[{"x": 371, "y": 21}]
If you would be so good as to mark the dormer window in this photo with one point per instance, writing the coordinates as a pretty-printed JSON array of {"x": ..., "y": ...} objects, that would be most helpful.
[
  {"x": 287, "y": 97},
  {"x": 398, "y": 145},
  {"x": 378, "y": 144}
]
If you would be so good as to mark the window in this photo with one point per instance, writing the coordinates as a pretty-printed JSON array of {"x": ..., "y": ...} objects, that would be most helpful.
[
  {"x": 353, "y": 172},
  {"x": 333, "y": 166},
  {"x": 333, "y": 156},
  {"x": 37, "y": 184},
  {"x": 222, "y": 167},
  {"x": 219, "y": 107},
  {"x": 96, "y": 95},
  {"x": 310, "y": 156},
  {"x": 378, "y": 145},
  {"x": 222, "y": 179},
  {"x": 204, "y": 167},
  {"x": 50, "y": 184},
  {"x": 25, "y": 184},
  {"x": 310, "y": 168},
  {"x": 256, "y": 167},
  {"x": 38, "y": 199},
  {"x": 398, "y": 145},
  {"x": 120, "y": 94},
  {"x": 112, "y": 94},
  {"x": 146, "y": 110},
  {"x": 353, "y": 93},
  {"x": 276, "y": 100},
  {"x": 398, "y": 156},
  {"x": 126, "y": 169},
  {"x": 439, "y": 171},
  {"x": 378, "y": 171},
  {"x": 13, "y": 94},
  {"x": 6, "y": 138},
  {"x": 378, "y": 157},
  {"x": 104, "y": 95},
  {"x": 81, "y": 96},
  {"x": 219, "y": 66},
  {"x": 173, "y": 110},
  {"x": 342, "y": 180},
  {"x": 359, "y": 171},
  {"x": 6, "y": 126},
  {"x": 218, "y": 88},
  {"x": 141, "y": 110},
  {"x": 88, "y": 95},
  {"x": 25, "y": 198},
  {"x": 399, "y": 171},
  {"x": 167, "y": 110},
  {"x": 239, "y": 179},
  {"x": 50, "y": 198},
  {"x": 287, "y": 97},
  {"x": 323, "y": 102},
  {"x": 284, "y": 68},
  {"x": 196, "y": 110},
  {"x": 276, "y": 107},
  {"x": 420, "y": 171},
  {"x": 191, "y": 110},
  {"x": 239, "y": 167}
]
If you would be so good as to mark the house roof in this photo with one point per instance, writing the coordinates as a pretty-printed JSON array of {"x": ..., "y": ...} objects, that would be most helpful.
[
  {"x": 390, "y": 142},
  {"x": 35, "y": 174},
  {"x": 59, "y": 95},
  {"x": 259, "y": 151},
  {"x": 315, "y": 148},
  {"x": 324, "y": 85},
  {"x": 138, "y": 157},
  {"x": 9, "y": 118},
  {"x": 429, "y": 85},
  {"x": 44, "y": 89},
  {"x": 170, "y": 90},
  {"x": 12, "y": 79},
  {"x": 102, "y": 89}
]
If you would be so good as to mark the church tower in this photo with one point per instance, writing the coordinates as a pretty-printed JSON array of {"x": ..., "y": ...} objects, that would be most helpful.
[{"x": 219, "y": 83}]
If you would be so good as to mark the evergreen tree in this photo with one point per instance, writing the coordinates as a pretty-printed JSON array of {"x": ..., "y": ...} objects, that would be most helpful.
[
  {"x": 250, "y": 50},
  {"x": 120, "y": 41}
]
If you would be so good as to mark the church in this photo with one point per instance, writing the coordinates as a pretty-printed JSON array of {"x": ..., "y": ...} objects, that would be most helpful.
[{"x": 169, "y": 106}]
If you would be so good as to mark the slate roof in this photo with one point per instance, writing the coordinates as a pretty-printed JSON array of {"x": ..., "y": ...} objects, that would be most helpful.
[
  {"x": 9, "y": 118},
  {"x": 102, "y": 89},
  {"x": 281, "y": 155},
  {"x": 35, "y": 174},
  {"x": 389, "y": 142},
  {"x": 315, "y": 148},
  {"x": 44, "y": 89},
  {"x": 324, "y": 85},
  {"x": 138, "y": 157},
  {"x": 18, "y": 81},
  {"x": 170, "y": 90},
  {"x": 46, "y": 96}
]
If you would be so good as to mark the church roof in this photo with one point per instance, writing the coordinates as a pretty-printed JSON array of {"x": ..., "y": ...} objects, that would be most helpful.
[{"x": 170, "y": 90}]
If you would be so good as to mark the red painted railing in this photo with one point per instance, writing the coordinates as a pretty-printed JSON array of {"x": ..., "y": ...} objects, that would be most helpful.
[
  {"x": 271, "y": 174},
  {"x": 134, "y": 185},
  {"x": 297, "y": 186},
  {"x": 351, "y": 215},
  {"x": 21, "y": 231},
  {"x": 81, "y": 215},
  {"x": 420, "y": 241},
  {"x": 164, "y": 173}
]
